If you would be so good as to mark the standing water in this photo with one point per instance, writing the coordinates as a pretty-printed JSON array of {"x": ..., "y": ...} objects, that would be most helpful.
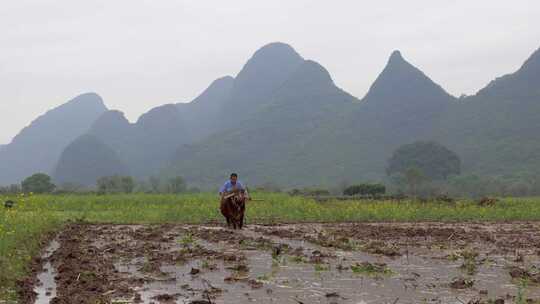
[{"x": 46, "y": 286}]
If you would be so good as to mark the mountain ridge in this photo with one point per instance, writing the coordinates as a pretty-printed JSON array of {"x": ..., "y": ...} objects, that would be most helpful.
[
  {"x": 282, "y": 119},
  {"x": 37, "y": 147}
]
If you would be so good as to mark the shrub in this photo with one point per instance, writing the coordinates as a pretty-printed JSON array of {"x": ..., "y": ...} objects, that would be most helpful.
[{"x": 365, "y": 189}]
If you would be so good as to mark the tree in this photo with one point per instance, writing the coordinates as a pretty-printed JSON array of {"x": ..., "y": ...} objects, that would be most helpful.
[
  {"x": 433, "y": 160},
  {"x": 365, "y": 189},
  {"x": 11, "y": 189},
  {"x": 127, "y": 184},
  {"x": 414, "y": 177},
  {"x": 38, "y": 183},
  {"x": 177, "y": 185},
  {"x": 154, "y": 183},
  {"x": 115, "y": 184}
]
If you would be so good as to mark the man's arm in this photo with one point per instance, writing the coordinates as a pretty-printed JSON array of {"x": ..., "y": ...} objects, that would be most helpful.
[{"x": 223, "y": 189}]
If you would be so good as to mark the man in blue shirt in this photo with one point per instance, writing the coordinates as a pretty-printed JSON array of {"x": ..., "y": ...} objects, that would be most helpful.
[{"x": 231, "y": 185}]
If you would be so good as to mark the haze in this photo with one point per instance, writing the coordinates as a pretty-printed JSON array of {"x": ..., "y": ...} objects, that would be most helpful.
[{"x": 140, "y": 54}]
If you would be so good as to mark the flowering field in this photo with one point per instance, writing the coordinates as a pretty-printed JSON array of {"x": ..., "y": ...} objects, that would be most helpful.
[{"x": 24, "y": 227}]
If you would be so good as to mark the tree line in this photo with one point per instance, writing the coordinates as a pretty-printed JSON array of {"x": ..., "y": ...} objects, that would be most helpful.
[{"x": 41, "y": 183}]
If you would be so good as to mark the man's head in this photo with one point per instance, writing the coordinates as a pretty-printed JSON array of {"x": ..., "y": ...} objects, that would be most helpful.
[{"x": 234, "y": 178}]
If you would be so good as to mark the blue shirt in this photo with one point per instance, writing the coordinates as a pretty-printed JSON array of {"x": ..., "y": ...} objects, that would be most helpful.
[{"x": 228, "y": 186}]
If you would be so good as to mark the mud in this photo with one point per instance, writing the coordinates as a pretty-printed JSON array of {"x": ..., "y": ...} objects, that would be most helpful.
[{"x": 296, "y": 263}]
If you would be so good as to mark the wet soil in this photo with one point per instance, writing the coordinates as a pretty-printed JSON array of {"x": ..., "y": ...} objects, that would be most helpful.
[{"x": 294, "y": 263}]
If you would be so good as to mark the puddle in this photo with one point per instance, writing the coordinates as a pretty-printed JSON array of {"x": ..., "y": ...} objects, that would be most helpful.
[{"x": 46, "y": 286}]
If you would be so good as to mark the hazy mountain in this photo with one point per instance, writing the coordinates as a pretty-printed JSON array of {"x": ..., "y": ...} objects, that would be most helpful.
[
  {"x": 403, "y": 105},
  {"x": 523, "y": 84},
  {"x": 203, "y": 114},
  {"x": 150, "y": 142},
  {"x": 270, "y": 144},
  {"x": 147, "y": 144},
  {"x": 263, "y": 74},
  {"x": 112, "y": 126},
  {"x": 85, "y": 160},
  {"x": 311, "y": 132},
  {"x": 283, "y": 120},
  {"x": 156, "y": 135},
  {"x": 37, "y": 147},
  {"x": 496, "y": 131},
  {"x": 403, "y": 99}
]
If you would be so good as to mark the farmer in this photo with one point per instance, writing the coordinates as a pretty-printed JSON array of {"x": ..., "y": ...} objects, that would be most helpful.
[
  {"x": 233, "y": 202},
  {"x": 232, "y": 185}
]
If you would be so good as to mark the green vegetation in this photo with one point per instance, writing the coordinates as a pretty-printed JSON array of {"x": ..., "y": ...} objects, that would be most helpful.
[
  {"x": 38, "y": 183},
  {"x": 365, "y": 189},
  {"x": 371, "y": 269},
  {"x": 188, "y": 240},
  {"x": 321, "y": 267},
  {"x": 176, "y": 185},
  {"x": 115, "y": 184},
  {"x": 308, "y": 191},
  {"x": 24, "y": 226}
]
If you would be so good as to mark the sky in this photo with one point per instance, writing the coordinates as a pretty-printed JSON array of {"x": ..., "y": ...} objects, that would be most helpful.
[{"x": 140, "y": 54}]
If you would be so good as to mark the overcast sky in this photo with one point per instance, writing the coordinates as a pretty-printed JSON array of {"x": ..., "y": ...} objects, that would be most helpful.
[{"x": 139, "y": 54}]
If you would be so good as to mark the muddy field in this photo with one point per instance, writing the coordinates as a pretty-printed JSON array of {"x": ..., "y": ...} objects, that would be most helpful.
[{"x": 299, "y": 263}]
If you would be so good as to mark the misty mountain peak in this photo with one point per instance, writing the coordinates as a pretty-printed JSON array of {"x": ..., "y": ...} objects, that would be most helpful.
[
  {"x": 533, "y": 62},
  {"x": 113, "y": 115},
  {"x": 520, "y": 84},
  {"x": 396, "y": 57},
  {"x": 266, "y": 70},
  {"x": 216, "y": 92},
  {"x": 159, "y": 119},
  {"x": 50, "y": 133},
  {"x": 108, "y": 121},
  {"x": 89, "y": 97},
  {"x": 222, "y": 80},
  {"x": 275, "y": 49},
  {"x": 164, "y": 112},
  {"x": 90, "y": 101},
  {"x": 400, "y": 79},
  {"x": 310, "y": 73},
  {"x": 85, "y": 107}
]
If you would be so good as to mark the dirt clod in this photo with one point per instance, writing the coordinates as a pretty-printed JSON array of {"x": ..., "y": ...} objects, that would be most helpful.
[{"x": 461, "y": 283}]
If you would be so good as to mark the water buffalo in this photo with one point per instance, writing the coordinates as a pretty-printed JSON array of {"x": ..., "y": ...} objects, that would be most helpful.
[{"x": 232, "y": 207}]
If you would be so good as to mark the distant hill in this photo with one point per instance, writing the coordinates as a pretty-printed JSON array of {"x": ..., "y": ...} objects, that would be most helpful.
[
  {"x": 269, "y": 145},
  {"x": 204, "y": 113},
  {"x": 496, "y": 131},
  {"x": 143, "y": 146},
  {"x": 85, "y": 160},
  {"x": 402, "y": 106},
  {"x": 38, "y": 146},
  {"x": 264, "y": 73}
]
